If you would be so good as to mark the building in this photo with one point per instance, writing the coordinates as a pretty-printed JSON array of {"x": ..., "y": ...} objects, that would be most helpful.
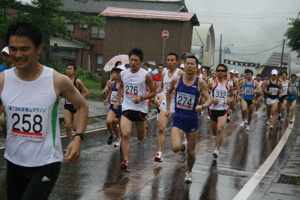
[
  {"x": 274, "y": 62},
  {"x": 132, "y": 28}
]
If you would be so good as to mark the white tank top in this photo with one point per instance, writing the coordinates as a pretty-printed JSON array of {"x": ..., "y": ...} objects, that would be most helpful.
[
  {"x": 167, "y": 84},
  {"x": 134, "y": 86},
  {"x": 233, "y": 85},
  {"x": 285, "y": 87},
  {"x": 219, "y": 92},
  {"x": 31, "y": 111}
]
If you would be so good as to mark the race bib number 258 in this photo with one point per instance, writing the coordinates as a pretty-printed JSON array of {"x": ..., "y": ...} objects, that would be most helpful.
[{"x": 29, "y": 123}]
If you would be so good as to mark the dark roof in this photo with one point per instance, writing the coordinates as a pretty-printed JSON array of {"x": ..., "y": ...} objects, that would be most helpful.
[
  {"x": 275, "y": 59},
  {"x": 99, "y": 6}
]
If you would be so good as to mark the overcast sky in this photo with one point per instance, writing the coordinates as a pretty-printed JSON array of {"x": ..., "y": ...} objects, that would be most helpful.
[{"x": 253, "y": 26}]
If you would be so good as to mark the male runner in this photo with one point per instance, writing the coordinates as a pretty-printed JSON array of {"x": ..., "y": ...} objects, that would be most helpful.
[
  {"x": 282, "y": 101},
  {"x": 220, "y": 94},
  {"x": 248, "y": 99},
  {"x": 234, "y": 82},
  {"x": 272, "y": 87},
  {"x": 108, "y": 83},
  {"x": 173, "y": 71},
  {"x": 70, "y": 109},
  {"x": 33, "y": 148},
  {"x": 187, "y": 90},
  {"x": 114, "y": 115},
  {"x": 292, "y": 96},
  {"x": 134, "y": 84},
  {"x": 157, "y": 80},
  {"x": 258, "y": 95},
  {"x": 266, "y": 78}
]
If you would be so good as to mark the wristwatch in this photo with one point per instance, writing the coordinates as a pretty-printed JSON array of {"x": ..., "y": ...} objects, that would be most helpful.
[{"x": 81, "y": 135}]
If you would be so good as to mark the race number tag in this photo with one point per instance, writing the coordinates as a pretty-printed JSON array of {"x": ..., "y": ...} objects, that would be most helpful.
[
  {"x": 294, "y": 90},
  {"x": 274, "y": 90},
  {"x": 220, "y": 94},
  {"x": 284, "y": 90},
  {"x": 67, "y": 101},
  {"x": 113, "y": 97},
  {"x": 248, "y": 91},
  {"x": 131, "y": 89},
  {"x": 185, "y": 101},
  {"x": 28, "y": 123},
  {"x": 158, "y": 84}
]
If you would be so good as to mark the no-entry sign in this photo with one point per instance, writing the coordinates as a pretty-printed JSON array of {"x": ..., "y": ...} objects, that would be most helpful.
[{"x": 165, "y": 34}]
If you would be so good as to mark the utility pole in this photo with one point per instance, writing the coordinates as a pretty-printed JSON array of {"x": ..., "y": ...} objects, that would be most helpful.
[
  {"x": 220, "y": 53},
  {"x": 282, "y": 54}
]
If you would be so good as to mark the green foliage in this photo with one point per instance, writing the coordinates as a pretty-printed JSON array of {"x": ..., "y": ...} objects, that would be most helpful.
[
  {"x": 83, "y": 74},
  {"x": 293, "y": 35},
  {"x": 57, "y": 65}
]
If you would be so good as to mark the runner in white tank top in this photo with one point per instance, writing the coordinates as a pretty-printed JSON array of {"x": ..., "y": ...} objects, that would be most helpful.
[
  {"x": 172, "y": 62},
  {"x": 283, "y": 100},
  {"x": 221, "y": 94},
  {"x": 33, "y": 142},
  {"x": 258, "y": 95},
  {"x": 134, "y": 86}
]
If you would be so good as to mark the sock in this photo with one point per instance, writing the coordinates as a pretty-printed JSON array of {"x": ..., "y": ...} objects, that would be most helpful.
[
  {"x": 159, "y": 153},
  {"x": 217, "y": 151}
]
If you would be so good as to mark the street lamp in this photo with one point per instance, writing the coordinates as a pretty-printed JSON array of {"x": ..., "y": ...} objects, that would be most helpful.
[{"x": 226, "y": 47}]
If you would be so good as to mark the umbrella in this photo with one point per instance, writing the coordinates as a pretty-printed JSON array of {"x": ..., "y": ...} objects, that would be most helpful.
[
  {"x": 298, "y": 75},
  {"x": 111, "y": 63},
  {"x": 155, "y": 71}
]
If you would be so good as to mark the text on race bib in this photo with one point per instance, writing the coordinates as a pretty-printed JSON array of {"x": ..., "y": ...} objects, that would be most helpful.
[
  {"x": 284, "y": 90},
  {"x": 248, "y": 91},
  {"x": 185, "y": 101},
  {"x": 220, "y": 94},
  {"x": 273, "y": 90},
  {"x": 29, "y": 123},
  {"x": 131, "y": 89}
]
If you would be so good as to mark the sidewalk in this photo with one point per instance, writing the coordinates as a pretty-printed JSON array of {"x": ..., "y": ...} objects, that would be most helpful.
[{"x": 284, "y": 186}]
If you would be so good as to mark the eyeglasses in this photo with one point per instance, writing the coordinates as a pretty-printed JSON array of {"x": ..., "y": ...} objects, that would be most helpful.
[{"x": 220, "y": 70}]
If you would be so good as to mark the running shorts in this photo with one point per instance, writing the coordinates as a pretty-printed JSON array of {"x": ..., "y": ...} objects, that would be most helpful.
[
  {"x": 271, "y": 101},
  {"x": 257, "y": 95},
  {"x": 188, "y": 125},
  {"x": 117, "y": 112},
  {"x": 134, "y": 116},
  {"x": 290, "y": 100},
  {"x": 282, "y": 98},
  {"x": 214, "y": 114},
  {"x": 249, "y": 102},
  {"x": 71, "y": 108}
]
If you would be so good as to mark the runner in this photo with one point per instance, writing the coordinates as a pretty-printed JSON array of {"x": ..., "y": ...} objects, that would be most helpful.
[
  {"x": 167, "y": 77},
  {"x": 114, "y": 115},
  {"x": 187, "y": 90},
  {"x": 33, "y": 148},
  {"x": 248, "y": 99},
  {"x": 272, "y": 87},
  {"x": 234, "y": 82},
  {"x": 282, "y": 101},
  {"x": 258, "y": 95},
  {"x": 266, "y": 78},
  {"x": 219, "y": 108},
  {"x": 134, "y": 84},
  {"x": 157, "y": 80},
  {"x": 107, "y": 85},
  {"x": 70, "y": 110},
  {"x": 292, "y": 96}
]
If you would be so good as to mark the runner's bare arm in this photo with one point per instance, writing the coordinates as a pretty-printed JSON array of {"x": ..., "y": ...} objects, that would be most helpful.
[
  {"x": 107, "y": 87},
  {"x": 150, "y": 83},
  {"x": 265, "y": 85},
  {"x": 119, "y": 95},
  {"x": 63, "y": 86},
  {"x": 161, "y": 87},
  {"x": 109, "y": 94},
  {"x": 280, "y": 89},
  {"x": 204, "y": 89},
  {"x": 257, "y": 86},
  {"x": 83, "y": 88},
  {"x": 174, "y": 82}
]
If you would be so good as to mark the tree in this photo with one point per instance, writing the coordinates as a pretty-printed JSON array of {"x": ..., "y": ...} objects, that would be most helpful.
[
  {"x": 293, "y": 35},
  {"x": 49, "y": 18}
]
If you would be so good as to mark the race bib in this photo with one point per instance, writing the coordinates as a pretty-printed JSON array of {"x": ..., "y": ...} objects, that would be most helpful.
[
  {"x": 294, "y": 90},
  {"x": 158, "y": 84},
  {"x": 284, "y": 90},
  {"x": 185, "y": 101},
  {"x": 220, "y": 94},
  {"x": 273, "y": 90},
  {"x": 131, "y": 90},
  {"x": 248, "y": 91},
  {"x": 28, "y": 123},
  {"x": 113, "y": 97}
]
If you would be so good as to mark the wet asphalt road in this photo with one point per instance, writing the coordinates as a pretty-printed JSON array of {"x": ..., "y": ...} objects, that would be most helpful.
[{"x": 97, "y": 175}]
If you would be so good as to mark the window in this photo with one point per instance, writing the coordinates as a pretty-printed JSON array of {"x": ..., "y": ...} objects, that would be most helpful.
[
  {"x": 99, "y": 69},
  {"x": 99, "y": 59},
  {"x": 207, "y": 43},
  {"x": 97, "y": 33},
  {"x": 71, "y": 27}
]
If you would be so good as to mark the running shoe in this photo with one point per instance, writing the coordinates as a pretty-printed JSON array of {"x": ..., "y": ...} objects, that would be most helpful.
[
  {"x": 279, "y": 117},
  {"x": 182, "y": 155},
  {"x": 246, "y": 121},
  {"x": 185, "y": 140},
  {"x": 110, "y": 139},
  {"x": 271, "y": 128},
  {"x": 125, "y": 166},
  {"x": 147, "y": 129},
  {"x": 243, "y": 123},
  {"x": 158, "y": 158},
  {"x": 117, "y": 143},
  {"x": 208, "y": 118},
  {"x": 291, "y": 121},
  {"x": 248, "y": 128},
  {"x": 188, "y": 177},
  {"x": 216, "y": 154},
  {"x": 281, "y": 121},
  {"x": 268, "y": 122},
  {"x": 228, "y": 118}
]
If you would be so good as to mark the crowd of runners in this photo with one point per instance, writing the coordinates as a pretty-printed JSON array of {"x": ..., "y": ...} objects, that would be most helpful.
[{"x": 33, "y": 148}]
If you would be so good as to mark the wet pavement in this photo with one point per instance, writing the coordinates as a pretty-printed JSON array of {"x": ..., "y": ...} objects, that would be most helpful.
[{"x": 97, "y": 175}]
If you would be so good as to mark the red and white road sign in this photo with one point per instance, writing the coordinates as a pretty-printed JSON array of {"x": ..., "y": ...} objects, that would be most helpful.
[{"x": 165, "y": 34}]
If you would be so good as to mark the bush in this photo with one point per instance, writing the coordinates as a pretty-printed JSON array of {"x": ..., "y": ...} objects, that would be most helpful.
[{"x": 57, "y": 65}]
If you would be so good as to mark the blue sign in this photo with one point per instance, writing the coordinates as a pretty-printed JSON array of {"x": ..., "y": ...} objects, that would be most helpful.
[{"x": 227, "y": 51}]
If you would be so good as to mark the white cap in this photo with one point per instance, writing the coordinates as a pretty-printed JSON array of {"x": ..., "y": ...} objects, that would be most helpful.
[
  {"x": 182, "y": 66},
  {"x": 232, "y": 71},
  {"x": 121, "y": 67},
  {"x": 203, "y": 69},
  {"x": 236, "y": 72},
  {"x": 199, "y": 66},
  {"x": 274, "y": 71},
  {"x": 5, "y": 49}
]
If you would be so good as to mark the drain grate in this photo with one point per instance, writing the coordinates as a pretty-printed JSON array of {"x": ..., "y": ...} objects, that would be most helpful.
[{"x": 294, "y": 180}]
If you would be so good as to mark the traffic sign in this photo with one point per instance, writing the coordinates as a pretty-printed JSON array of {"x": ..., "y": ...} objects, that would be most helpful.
[{"x": 165, "y": 34}]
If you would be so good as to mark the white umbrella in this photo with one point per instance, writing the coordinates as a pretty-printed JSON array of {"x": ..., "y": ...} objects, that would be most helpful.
[
  {"x": 111, "y": 63},
  {"x": 298, "y": 75}
]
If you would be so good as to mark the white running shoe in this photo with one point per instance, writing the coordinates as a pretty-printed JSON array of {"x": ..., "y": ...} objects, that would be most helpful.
[
  {"x": 248, "y": 128},
  {"x": 243, "y": 123},
  {"x": 246, "y": 121},
  {"x": 268, "y": 122},
  {"x": 117, "y": 143},
  {"x": 158, "y": 158},
  {"x": 188, "y": 177},
  {"x": 216, "y": 154},
  {"x": 182, "y": 155},
  {"x": 208, "y": 118},
  {"x": 228, "y": 118},
  {"x": 185, "y": 142}
]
